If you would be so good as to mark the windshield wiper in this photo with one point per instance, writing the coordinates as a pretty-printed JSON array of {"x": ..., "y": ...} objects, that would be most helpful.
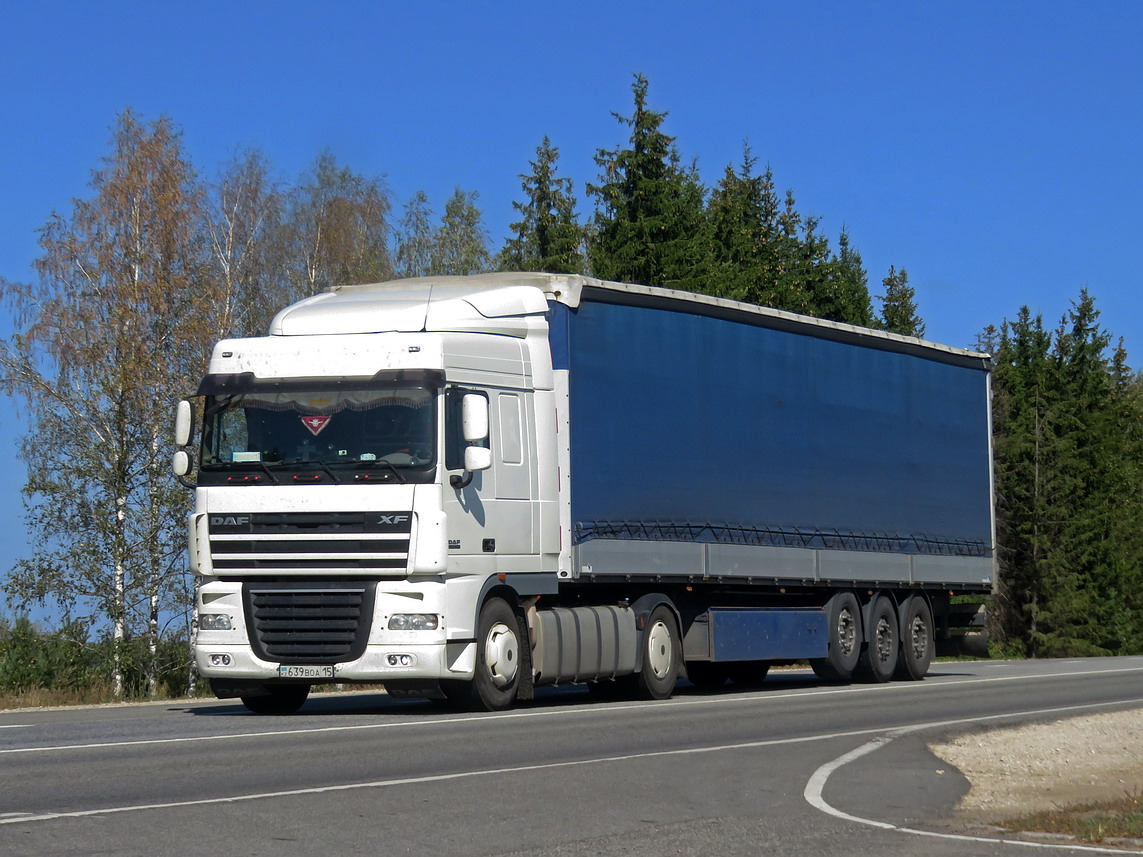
[
  {"x": 299, "y": 464},
  {"x": 266, "y": 469},
  {"x": 400, "y": 476}
]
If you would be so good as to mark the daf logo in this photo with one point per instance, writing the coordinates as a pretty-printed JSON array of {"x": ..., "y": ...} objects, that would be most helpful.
[
  {"x": 229, "y": 520},
  {"x": 392, "y": 519}
]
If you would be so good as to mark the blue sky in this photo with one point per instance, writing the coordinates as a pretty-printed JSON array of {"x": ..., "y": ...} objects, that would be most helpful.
[{"x": 991, "y": 148}]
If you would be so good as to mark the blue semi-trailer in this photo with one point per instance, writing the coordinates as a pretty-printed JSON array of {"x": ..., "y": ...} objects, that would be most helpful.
[{"x": 468, "y": 487}]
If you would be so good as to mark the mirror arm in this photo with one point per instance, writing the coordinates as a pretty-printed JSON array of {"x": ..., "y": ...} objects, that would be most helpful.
[{"x": 461, "y": 480}]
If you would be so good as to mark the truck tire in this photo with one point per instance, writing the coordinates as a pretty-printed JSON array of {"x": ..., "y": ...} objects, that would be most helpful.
[
  {"x": 281, "y": 699},
  {"x": 918, "y": 643},
  {"x": 497, "y": 673},
  {"x": 661, "y": 655},
  {"x": 844, "y": 618},
  {"x": 878, "y": 659}
]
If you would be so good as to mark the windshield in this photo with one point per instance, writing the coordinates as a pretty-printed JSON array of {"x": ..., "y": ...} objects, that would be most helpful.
[{"x": 387, "y": 428}]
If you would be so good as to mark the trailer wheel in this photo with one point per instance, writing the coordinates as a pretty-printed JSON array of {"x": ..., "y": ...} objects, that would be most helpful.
[
  {"x": 497, "y": 672},
  {"x": 708, "y": 674},
  {"x": 879, "y": 657},
  {"x": 917, "y": 641},
  {"x": 661, "y": 650},
  {"x": 844, "y": 617},
  {"x": 281, "y": 699}
]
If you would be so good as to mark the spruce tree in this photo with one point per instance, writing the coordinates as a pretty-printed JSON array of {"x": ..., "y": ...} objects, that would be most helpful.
[
  {"x": 650, "y": 222},
  {"x": 850, "y": 286},
  {"x": 1068, "y": 472},
  {"x": 743, "y": 213},
  {"x": 547, "y": 237},
  {"x": 899, "y": 306},
  {"x": 1028, "y": 492}
]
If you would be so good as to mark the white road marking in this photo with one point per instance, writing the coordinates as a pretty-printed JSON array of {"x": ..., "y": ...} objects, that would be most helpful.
[
  {"x": 817, "y": 782},
  {"x": 15, "y": 725},
  {"x": 487, "y": 772},
  {"x": 586, "y": 710}
]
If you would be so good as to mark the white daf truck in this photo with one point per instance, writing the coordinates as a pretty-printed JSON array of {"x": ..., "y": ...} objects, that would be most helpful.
[{"x": 467, "y": 487}]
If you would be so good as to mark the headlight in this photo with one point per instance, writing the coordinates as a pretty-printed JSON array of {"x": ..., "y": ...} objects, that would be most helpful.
[
  {"x": 413, "y": 622},
  {"x": 214, "y": 622}
]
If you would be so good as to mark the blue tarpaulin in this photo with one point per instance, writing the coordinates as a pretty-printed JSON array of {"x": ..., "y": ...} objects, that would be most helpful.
[{"x": 706, "y": 428}]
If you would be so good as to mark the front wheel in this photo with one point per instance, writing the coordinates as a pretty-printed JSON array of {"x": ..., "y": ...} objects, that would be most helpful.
[
  {"x": 279, "y": 699},
  {"x": 661, "y": 655},
  {"x": 497, "y": 674}
]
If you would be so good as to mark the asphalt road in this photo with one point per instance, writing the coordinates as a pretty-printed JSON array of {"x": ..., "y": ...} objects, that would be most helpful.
[{"x": 796, "y": 767}]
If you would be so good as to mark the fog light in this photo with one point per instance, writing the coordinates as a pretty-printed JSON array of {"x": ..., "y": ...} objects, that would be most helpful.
[
  {"x": 220, "y": 660},
  {"x": 401, "y": 660},
  {"x": 214, "y": 622},
  {"x": 413, "y": 622}
]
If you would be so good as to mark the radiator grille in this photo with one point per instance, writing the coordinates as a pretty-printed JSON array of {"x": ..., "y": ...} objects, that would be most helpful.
[
  {"x": 328, "y": 541},
  {"x": 314, "y": 622}
]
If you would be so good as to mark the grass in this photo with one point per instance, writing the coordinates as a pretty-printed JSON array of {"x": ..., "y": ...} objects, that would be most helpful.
[
  {"x": 45, "y": 698},
  {"x": 1090, "y": 822}
]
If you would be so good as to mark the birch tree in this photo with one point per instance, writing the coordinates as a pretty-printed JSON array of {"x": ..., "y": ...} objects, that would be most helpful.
[
  {"x": 460, "y": 244},
  {"x": 108, "y": 336},
  {"x": 335, "y": 230},
  {"x": 415, "y": 237},
  {"x": 243, "y": 215}
]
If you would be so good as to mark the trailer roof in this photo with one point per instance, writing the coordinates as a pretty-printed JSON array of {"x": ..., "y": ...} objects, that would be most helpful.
[{"x": 571, "y": 289}]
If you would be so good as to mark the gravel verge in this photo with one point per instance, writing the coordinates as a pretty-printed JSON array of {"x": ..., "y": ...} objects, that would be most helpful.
[{"x": 1050, "y": 765}]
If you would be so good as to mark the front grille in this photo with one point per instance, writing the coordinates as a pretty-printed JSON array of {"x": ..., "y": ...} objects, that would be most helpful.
[
  {"x": 312, "y": 622},
  {"x": 310, "y": 541}
]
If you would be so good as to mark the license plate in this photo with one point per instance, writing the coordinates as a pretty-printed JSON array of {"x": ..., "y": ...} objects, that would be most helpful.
[{"x": 299, "y": 671}]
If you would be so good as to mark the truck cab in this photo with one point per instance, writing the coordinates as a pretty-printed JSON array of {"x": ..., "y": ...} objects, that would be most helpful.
[{"x": 366, "y": 474}]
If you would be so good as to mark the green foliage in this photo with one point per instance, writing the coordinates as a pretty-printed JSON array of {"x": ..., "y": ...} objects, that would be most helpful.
[
  {"x": 650, "y": 224},
  {"x": 460, "y": 245},
  {"x": 1069, "y": 468},
  {"x": 415, "y": 238},
  {"x": 547, "y": 237},
  {"x": 899, "y": 306},
  {"x": 69, "y": 660}
]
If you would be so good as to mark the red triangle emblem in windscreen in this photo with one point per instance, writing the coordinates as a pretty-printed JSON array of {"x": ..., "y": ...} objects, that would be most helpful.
[{"x": 315, "y": 424}]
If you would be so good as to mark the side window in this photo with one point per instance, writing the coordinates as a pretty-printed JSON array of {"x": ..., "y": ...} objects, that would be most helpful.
[{"x": 454, "y": 429}]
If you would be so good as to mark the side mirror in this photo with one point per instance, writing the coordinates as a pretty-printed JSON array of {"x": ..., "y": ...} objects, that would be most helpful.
[
  {"x": 477, "y": 458},
  {"x": 181, "y": 463},
  {"x": 474, "y": 419},
  {"x": 184, "y": 416}
]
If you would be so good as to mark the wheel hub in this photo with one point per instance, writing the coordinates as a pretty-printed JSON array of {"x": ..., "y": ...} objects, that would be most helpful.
[
  {"x": 501, "y": 654},
  {"x": 884, "y": 640},
  {"x": 919, "y": 638},
  {"x": 846, "y": 632},
  {"x": 659, "y": 654}
]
